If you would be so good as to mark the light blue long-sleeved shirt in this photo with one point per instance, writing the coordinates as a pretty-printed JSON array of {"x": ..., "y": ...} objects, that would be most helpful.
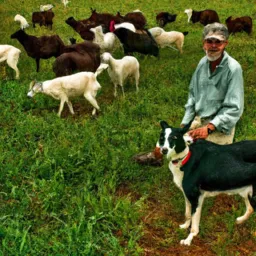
[{"x": 218, "y": 95}]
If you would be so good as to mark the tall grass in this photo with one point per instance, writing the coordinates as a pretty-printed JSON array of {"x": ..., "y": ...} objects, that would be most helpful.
[{"x": 68, "y": 185}]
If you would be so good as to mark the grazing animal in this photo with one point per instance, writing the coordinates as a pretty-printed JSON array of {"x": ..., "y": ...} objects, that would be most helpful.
[
  {"x": 103, "y": 19},
  {"x": 166, "y": 39},
  {"x": 81, "y": 28},
  {"x": 77, "y": 57},
  {"x": 105, "y": 41},
  {"x": 46, "y": 7},
  {"x": 163, "y": 18},
  {"x": 120, "y": 70},
  {"x": 23, "y": 22},
  {"x": 134, "y": 42},
  {"x": 63, "y": 88},
  {"x": 11, "y": 54},
  {"x": 239, "y": 24},
  {"x": 127, "y": 25},
  {"x": 65, "y": 2},
  {"x": 204, "y": 169},
  {"x": 136, "y": 18},
  {"x": 43, "y": 18},
  {"x": 43, "y": 47},
  {"x": 204, "y": 17}
]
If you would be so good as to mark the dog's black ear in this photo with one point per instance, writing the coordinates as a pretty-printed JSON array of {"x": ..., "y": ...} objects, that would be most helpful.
[{"x": 164, "y": 125}]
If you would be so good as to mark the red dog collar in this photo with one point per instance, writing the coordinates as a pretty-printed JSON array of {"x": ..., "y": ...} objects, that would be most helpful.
[{"x": 184, "y": 160}]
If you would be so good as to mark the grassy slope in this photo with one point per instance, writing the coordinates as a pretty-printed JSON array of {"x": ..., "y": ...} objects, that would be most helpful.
[{"x": 68, "y": 186}]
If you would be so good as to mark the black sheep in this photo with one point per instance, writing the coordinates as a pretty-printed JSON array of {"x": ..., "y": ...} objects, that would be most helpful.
[
  {"x": 134, "y": 42},
  {"x": 205, "y": 17},
  {"x": 163, "y": 18},
  {"x": 43, "y": 18},
  {"x": 43, "y": 47}
]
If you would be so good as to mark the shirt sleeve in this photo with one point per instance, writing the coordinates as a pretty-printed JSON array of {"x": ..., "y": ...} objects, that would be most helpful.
[
  {"x": 190, "y": 105},
  {"x": 233, "y": 104}
]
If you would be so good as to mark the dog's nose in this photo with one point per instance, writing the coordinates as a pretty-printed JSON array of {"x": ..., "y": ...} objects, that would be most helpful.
[{"x": 164, "y": 151}]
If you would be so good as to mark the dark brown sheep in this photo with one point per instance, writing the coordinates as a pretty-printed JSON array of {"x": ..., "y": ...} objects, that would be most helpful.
[
  {"x": 103, "y": 19},
  {"x": 136, "y": 18},
  {"x": 43, "y": 18},
  {"x": 239, "y": 24},
  {"x": 163, "y": 18},
  {"x": 82, "y": 27},
  {"x": 43, "y": 47},
  {"x": 77, "y": 57},
  {"x": 205, "y": 17}
]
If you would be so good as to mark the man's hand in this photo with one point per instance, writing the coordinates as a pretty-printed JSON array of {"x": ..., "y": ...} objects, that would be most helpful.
[{"x": 201, "y": 133}]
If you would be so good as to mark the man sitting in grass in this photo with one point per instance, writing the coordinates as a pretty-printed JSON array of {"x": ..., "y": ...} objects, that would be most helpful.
[{"x": 216, "y": 94}]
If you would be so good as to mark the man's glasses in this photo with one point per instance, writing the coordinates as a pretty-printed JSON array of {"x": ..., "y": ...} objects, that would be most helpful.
[{"x": 214, "y": 41}]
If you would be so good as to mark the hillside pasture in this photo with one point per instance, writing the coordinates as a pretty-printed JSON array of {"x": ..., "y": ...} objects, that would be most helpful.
[{"x": 68, "y": 186}]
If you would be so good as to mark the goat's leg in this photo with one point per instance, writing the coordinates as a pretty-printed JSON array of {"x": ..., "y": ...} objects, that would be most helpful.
[
  {"x": 13, "y": 64},
  {"x": 37, "y": 64},
  {"x": 187, "y": 214},
  {"x": 115, "y": 90},
  {"x": 70, "y": 107},
  {"x": 195, "y": 222},
  {"x": 93, "y": 101},
  {"x": 122, "y": 87},
  {"x": 62, "y": 101},
  {"x": 249, "y": 210},
  {"x": 137, "y": 77}
]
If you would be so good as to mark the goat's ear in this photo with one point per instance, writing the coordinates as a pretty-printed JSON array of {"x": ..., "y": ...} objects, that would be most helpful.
[
  {"x": 164, "y": 125},
  {"x": 32, "y": 84}
]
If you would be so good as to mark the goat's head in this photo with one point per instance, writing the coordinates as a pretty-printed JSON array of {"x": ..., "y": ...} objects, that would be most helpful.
[
  {"x": 18, "y": 34},
  {"x": 172, "y": 140},
  {"x": 105, "y": 57},
  {"x": 34, "y": 88}
]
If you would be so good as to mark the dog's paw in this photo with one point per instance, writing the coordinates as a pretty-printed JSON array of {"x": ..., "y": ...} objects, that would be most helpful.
[
  {"x": 240, "y": 220},
  {"x": 185, "y": 242}
]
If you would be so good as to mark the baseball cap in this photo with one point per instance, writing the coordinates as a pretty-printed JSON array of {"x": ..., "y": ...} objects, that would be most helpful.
[{"x": 215, "y": 31}]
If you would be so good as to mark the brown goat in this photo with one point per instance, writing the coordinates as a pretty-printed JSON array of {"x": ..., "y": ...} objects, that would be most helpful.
[
  {"x": 43, "y": 18},
  {"x": 136, "y": 18},
  {"x": 239, "y": 24},
  {"x": 43, "y": 47},
  {"x": 205, "y": 17},
  {"x": 82, "y": 27},
  {"x": 103, "y": 19},
  {"x": 77, "y": 57}
]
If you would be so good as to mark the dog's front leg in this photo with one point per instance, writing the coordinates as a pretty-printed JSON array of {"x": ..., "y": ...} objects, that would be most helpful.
[
  {"x": 195, "y": 222},
  {"x": 187, "y": 214}
]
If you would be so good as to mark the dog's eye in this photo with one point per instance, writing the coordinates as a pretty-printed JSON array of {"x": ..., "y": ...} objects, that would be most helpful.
[{"x": 173, "y": 137}]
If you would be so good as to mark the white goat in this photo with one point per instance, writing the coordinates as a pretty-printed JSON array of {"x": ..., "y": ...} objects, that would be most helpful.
[
  {"x": 11, "y": 54},
  {"x": 166, "y": 39},
  {"x": 126, "y": 25},
  {"x": 119, "y": 70},
  {"x": 46, "y": 7},
  {"x": 62, "y": 88},
  {"x": 189, "y": 13},
  {"x": 105, "y": 41},
  {"x": 23, "y": 22},
  {"x": 65, "y": 2}
]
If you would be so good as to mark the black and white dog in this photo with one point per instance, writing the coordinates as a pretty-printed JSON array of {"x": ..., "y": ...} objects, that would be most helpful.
[{"x": 203, "y": 169}]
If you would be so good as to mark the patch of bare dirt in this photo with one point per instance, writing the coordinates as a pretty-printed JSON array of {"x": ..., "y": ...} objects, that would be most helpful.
[{"x": 162, "y": 234}]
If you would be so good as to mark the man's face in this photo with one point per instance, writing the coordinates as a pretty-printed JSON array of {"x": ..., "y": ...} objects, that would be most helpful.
[{"x": 214, "y": 48}]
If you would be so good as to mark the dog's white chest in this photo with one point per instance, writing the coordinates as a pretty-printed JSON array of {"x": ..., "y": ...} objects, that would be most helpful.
[{"x": 177, "y": 175}]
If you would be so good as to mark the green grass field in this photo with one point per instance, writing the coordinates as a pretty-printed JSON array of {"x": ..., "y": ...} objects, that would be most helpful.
[{"x": 68, "y": 185}]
